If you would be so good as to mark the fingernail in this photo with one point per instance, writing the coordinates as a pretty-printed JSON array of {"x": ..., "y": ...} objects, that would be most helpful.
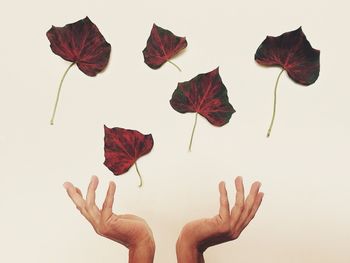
[{"x": 65, "y": 185}]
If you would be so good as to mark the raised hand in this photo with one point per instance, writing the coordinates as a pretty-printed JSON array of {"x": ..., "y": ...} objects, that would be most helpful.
[
  {"x": 198, "y": 235},
  {"x": 129, "y": 230}
]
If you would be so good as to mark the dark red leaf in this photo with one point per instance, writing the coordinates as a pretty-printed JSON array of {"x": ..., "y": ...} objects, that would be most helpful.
[
  {"x": 123, "y": 147},
  {"x": 293, "y": 52},
  {"x": 204, "y": 94},
  {"x": 81, "y": 42},
  {"x": 161, "y": 46}
]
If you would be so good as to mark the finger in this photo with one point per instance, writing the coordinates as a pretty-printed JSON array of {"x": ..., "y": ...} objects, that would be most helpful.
[
  {"x": 224, "y": 210},
  {"x": 248, "y": 204},
  {"x": 257, "y": 203},
  {"x": 92, "y": 209},
  {"x": 108, "y": 203},
  {"x": 75, "y": 196},
  {"x": 78, "y": 191},
  {"x": 239, "y": 204},
  {"x": 90, "y": 196}
]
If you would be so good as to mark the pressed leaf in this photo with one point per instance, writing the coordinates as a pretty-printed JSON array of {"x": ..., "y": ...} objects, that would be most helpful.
[
  {"x": 294, "y": 53},
  {"x": 82, "y": 44},
  {"x": 161, "y": 46},
  {"x": 123, "y": 148},
  {"x": 206, "y": 95}
]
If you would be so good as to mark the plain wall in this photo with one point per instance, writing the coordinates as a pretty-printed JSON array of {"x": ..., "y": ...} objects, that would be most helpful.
[{"x": 303, "y": 167}]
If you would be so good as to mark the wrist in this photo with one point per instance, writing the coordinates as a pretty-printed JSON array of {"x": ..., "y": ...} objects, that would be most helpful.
[
  {"x": 187, "y": 251},
  {"x": 142, "y": 252}
]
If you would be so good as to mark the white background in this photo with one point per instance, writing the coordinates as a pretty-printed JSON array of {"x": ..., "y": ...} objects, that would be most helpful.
[{"x": 303, "y": 167}]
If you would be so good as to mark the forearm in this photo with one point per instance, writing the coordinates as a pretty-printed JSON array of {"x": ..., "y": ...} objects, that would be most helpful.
[
  {"x": 190, "y": 257},
  {"x": 187, "y": 253},
  {"x": 142, "y": 254}
]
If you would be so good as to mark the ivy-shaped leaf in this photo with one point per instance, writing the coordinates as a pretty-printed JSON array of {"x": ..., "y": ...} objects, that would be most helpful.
[
  {"x": 82, "y": 44},
  {"x": 206, "y": 95},
  {"x": 123, "y": 148},
  {"x": 293, "y": 52},
  {"x": 161, "y": 46}
]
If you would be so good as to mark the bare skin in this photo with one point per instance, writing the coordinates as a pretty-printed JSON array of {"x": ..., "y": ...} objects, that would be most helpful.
[
  {"x": 129, "y": 230},
  {"x": 134, "y": 233},
  {"x": 198, "y": 235}
]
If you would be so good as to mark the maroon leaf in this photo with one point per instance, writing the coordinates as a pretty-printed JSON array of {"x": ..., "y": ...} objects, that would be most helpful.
[
  {"x": 293, "y": 52},
  {"x": 206, "y": 95},
  {"x": 161, "y": 46},
  {"x": 123, "y": 147},
  {"x": 82, "y": 44}
]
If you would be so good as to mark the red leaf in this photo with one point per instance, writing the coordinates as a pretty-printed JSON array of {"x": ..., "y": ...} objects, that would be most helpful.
[
  {"x": 81, "y": 42},
  {"x": 123, "y": 147},
  {"x": 293, "y": 52},
  {"x": 204, "y": 94},
  {"x": 161, "y": 46}
]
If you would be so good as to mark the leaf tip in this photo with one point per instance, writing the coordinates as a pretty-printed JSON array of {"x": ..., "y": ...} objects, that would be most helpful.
[
  {"x": 214, "y": 71},
  {"x": 87, "y": 19}
]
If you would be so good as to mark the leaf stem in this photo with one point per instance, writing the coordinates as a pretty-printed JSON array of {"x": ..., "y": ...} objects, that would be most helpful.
[
  {"x": 274, "y": 105},
  {"x": 194, "y": 127},
  {"x": 174, "y": 65},
  {"x": 138, "y": 172},
  {"x": 58, "y": 93}
]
